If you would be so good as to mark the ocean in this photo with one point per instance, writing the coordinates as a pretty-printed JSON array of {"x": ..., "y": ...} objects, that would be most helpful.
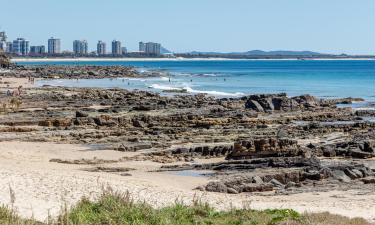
[{"x": 235, "y": 78}]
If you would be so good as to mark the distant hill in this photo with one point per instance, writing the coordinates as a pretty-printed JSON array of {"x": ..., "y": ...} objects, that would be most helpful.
[
  {"x": 164, "y": 50},
  {"x": 260, "y": 53}
]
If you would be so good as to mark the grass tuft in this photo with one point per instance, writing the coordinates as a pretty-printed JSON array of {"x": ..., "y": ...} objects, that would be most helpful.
[{"x": 114, "y": 208}]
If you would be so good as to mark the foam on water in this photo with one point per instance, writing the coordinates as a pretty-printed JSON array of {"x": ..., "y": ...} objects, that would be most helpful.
[
  {"x": 216, "y": 93},
  {"x": 164, "y": 87}
]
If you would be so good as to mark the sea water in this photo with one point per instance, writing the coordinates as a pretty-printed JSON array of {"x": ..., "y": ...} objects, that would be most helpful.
[{"x": 234, "y": 78}]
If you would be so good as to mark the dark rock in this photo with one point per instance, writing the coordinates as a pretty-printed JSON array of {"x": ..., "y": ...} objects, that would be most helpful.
[
  {"x": 340, "y": 175},
  {"x": 215, "y": 186},
  {"x": 360, "y": 154},
  {"x": 81, "y": 114},
  {"x": 138, "y": 123},
  {"x": 329, "y": 151},
  {"x": 351, "y": 174},
  {"x": 256, "y": 187},
  {"x": 368, "y": 180},
  {"x": 254, "y": 105},
  {"x": 265, "y": 147},
  {"x": 369, "y": 146}
]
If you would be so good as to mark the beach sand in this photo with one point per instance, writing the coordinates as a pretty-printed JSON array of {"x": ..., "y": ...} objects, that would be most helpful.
[
  {"x": 7, "y": 82},
  {"x": 42, "y": 187}
]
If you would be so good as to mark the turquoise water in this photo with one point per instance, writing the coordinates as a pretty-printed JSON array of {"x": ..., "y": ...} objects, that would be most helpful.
[{"x": 322, "y": 78}]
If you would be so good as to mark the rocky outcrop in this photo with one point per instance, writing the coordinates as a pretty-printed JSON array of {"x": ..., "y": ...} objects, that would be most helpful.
[
  {"x": 292, "y": 178},
  {"x": 214, "y": 151},
  {"x": 361, "y": 149},
  {"x": 4, "y": 60},
  {"x": 76, "y": 72},
  {"x": 265, "y": 147},
  {"x": 279, "y": 102}
]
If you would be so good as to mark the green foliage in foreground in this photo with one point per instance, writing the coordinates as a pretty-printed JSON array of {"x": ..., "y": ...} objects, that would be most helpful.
[
  {"x": 113, "y": 208},
  {"x": 120, "y": 209}
]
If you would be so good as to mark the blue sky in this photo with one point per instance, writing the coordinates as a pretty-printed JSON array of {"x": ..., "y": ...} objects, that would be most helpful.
[{"x": 331, "y": 26}]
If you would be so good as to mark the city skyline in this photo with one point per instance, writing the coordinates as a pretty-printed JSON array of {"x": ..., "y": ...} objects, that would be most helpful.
[
  {"x": 22, "y": 47},
  {"x": 322, "y": 26}
]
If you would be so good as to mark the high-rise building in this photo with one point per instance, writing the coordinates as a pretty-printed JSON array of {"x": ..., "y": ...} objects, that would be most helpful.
[
  {"x": 20, "y": 46},
  {"x": 124, "y": 51},
  {"x": 3, "y": 41},
  {"x": 142, "y": 46},
  {"x": 9, "y": 47},
  {"x": 80, "y": 47},
  {"x": 101, "y": 48},
  {"x": 116, "y": 47},
  {"x": 3, "y": 36},
  {"x": 37, "y": 50},
  {"x": 54, "y": 46},
  {"x": 3, "y": 46},
  {"x": 152, "y": 48}
]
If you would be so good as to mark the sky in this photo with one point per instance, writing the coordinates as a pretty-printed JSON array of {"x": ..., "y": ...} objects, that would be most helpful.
[{"x": 327, "y": 26}]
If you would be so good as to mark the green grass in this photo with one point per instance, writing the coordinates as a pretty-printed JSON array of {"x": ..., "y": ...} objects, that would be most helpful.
[
  {"x": 114, "y": 208},
  {"x": 120, "y": 209}
]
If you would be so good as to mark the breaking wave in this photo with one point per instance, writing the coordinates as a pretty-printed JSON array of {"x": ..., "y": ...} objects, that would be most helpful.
[
  {"x": 194, "y": 91},
  {"x": 216, "y": 93},
  {"x": 164, "y": 87}
]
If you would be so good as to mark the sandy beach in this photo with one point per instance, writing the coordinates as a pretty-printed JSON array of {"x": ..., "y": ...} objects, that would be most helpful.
[{"x": 42, "y": 187}]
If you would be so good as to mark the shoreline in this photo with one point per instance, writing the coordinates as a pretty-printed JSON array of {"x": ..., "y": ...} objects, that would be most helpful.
[
  {"x": 15, "y": 60},
  {"x": 60, "y": 144}
]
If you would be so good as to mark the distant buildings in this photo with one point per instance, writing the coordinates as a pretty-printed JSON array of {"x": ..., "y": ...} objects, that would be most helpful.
[
  {"x": 3, "y": 46},
  {"x": 101, "y": 48},
  {"x": 116, "y": 47},
  {"x": 124, "y": 51},
  {"x": 3, "y": 36},
  {"x": 20, "y": 46},
  {"x": 3, "y": 39},
  {"x": 37, "y": 50},
  {"x": 80, "y": 47},
  {"x": 54, "y": 46},
  {"x": 9, "y": 47},
  {"x": 142, "y": 47},
  {"x": 152, "y": 48}
]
